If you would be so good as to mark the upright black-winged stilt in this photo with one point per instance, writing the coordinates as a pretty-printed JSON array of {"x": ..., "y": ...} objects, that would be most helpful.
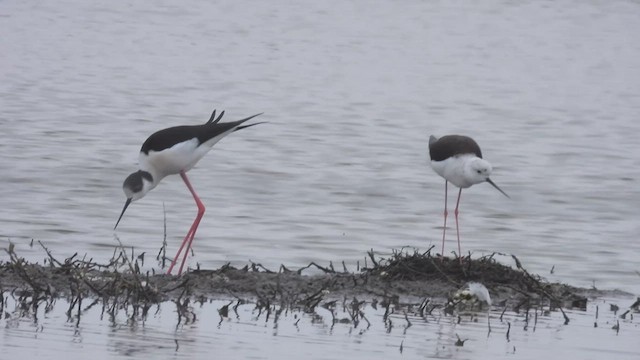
[
  {"x": 458, "y": 160},
  {"x": 176, "y": 150}
]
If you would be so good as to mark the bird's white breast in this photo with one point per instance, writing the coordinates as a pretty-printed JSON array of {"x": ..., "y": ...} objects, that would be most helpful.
[
  {"x": 179, "y": 157},
  {"x": 452, "y": 169}
]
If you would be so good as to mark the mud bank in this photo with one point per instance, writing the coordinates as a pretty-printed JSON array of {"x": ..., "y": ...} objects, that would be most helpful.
[{"x": 403, "y": 279}]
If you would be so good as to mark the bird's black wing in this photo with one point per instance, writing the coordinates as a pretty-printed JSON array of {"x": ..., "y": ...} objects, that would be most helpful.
[
  {"x": 166, "y": 138},
  {"x": 453, "y": 145}
]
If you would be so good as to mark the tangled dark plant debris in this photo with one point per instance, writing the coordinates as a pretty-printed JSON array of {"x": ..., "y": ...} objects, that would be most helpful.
[
  {"x": 533, "y": 289},
  {"x": 405, "y": 282}
]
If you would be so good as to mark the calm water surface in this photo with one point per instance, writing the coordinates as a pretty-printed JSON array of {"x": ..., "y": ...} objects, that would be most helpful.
[
  {"x": 250, "y": 335},
  {"x": 351, "y": 91}
]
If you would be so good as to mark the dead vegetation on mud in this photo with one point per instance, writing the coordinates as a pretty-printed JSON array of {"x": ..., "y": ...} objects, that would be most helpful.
[{"x": 405, "y": 279}]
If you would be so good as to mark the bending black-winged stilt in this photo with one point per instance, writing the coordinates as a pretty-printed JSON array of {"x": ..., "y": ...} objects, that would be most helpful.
[
  {"x": 176, "y": 150},
  {"x": 458, "y": 160}
]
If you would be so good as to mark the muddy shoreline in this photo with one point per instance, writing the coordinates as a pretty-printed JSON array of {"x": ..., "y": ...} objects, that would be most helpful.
[
  {"x": 387, "y": 293},
  {"x": 408, "y": 278}
]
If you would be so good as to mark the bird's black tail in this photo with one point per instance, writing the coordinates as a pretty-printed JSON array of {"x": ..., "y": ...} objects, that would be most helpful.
[
  {"x": 213, "y": 120},
  {"x": 244, "y": 120},
  {"x": 250, "y": 125}
]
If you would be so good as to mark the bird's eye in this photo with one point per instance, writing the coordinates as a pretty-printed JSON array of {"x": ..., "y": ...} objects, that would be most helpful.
[{"x": 479, "y": 171}]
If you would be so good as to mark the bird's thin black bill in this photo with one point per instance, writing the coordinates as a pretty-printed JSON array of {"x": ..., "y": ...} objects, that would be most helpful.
[
  {"x": 496, "y": 186},
  {"x": 126, "y": 204}
]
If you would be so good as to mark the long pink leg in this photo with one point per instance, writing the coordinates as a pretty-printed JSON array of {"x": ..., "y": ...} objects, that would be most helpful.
[
  {"x": 444, "y": 227},
  {"x": 188, "y": 240},
  {"x": 457, "y": 228}
]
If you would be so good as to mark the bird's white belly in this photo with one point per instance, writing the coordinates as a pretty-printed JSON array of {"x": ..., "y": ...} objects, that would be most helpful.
[
  {"x": 452, "y": 169},
  {"x": 180, "y": 157}
]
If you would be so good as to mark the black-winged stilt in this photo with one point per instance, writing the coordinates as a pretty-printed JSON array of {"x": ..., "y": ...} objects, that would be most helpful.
[
  {"x": 458, "y": 160},
  {"x": 176, "y": 150}
]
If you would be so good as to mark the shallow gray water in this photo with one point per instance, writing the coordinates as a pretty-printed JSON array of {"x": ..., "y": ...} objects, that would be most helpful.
[
  {"x": 250, "y": 335},
  {"x": 351, "y": 91}
]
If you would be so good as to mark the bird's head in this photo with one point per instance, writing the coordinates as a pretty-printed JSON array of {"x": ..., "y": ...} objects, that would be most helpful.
[
  {"x": 479, "y": 170},
  {"x": 135, "y": 186}
]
